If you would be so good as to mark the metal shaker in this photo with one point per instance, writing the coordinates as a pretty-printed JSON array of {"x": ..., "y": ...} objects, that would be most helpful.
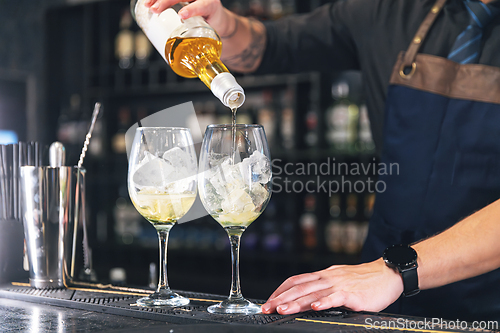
[{"x": 49, "y": 205}]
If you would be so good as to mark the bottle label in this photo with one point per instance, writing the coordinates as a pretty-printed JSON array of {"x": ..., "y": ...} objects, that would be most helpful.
[{"x": 158, "y": 27}]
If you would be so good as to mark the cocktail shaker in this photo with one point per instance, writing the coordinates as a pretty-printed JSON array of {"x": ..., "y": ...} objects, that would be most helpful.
[{"x": 50, "y": 216}]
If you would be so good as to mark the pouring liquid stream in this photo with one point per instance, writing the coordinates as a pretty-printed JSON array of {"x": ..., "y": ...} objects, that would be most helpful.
[{"x": 233, "y": 134}]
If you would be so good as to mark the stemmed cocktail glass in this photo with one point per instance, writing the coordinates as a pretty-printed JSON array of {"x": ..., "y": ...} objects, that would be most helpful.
[
  {"x": 162, "y": 185},
  {"x": 234, "y": 183}
]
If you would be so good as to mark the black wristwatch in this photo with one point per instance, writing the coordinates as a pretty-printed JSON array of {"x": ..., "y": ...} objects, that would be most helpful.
[{"x": 404, "y": 259}]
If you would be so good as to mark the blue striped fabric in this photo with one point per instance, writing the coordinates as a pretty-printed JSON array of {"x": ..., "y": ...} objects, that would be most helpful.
[{"x": 467, "y": 47}]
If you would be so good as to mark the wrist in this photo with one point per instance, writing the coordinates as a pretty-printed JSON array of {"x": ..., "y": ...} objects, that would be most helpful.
[
  {"x": 224, "y": 22},
  {"x": 403, "y": 258},
  {"x": 393, "y": 277}
]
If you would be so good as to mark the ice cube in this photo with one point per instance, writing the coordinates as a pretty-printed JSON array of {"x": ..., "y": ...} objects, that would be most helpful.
[
  {"x": 216, "y": 159},
  {"x": 147, "y": 157},
  {"x": 152, "y": 171},
  {"x": 226, "y": 177},
  {"x": 259, "y": 194},
  {"x": 238, "y": 202},
  {"x": 217, "y": 180},
  {"x": 180, "y": 160},
  {"x": 212, "y": 200},
  {"x": 184, "y": 174},
  {"x": 237, "y": 188},
  {"x": 234, "y": 178},
  {"x": 256, "y": 168},
  {"x": 182, "y": 185}
]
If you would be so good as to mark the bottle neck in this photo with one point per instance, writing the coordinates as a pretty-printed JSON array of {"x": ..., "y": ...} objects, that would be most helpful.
[
  {"x": 207, "y": 68},
  {"x": 225, "y": 88}
]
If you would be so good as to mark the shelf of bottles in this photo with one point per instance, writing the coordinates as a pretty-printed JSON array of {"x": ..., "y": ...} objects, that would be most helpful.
[{"x": 319, "y": 212}]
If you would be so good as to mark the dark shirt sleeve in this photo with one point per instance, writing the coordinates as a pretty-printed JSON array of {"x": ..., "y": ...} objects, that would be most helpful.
[{"x": 320, "y": 40}]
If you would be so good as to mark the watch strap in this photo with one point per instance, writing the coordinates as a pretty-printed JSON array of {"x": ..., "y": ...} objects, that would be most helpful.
[{"x": 410, "y": 281}]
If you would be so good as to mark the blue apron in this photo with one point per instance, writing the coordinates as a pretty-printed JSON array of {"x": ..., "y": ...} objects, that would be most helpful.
[{"x": 442, "y": 143}]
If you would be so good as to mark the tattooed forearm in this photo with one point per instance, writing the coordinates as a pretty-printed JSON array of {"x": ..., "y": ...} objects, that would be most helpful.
[
  {"x": 248, "y": 59},
  {"x": 235, "y": 29}
]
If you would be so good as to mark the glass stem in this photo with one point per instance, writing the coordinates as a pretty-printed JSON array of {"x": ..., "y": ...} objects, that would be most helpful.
[
  {"x": 234, "y": 239},
  {"x": 163, "y": 242}
]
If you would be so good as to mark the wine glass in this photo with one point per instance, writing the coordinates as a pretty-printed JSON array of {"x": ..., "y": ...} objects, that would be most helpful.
[
  {"x": 234, "y": 183},
  {"x": 162, "y": 185}
]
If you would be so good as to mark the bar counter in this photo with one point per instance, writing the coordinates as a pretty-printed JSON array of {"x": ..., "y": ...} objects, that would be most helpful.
[{"x": 26, "y": 309}]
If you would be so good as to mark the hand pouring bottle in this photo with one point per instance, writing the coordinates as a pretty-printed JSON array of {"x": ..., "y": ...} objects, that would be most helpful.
[{"x": 191, "y": 47}]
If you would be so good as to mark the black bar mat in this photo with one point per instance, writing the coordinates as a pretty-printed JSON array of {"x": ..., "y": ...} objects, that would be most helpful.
[
  {"x": 120, "y": 304},
  {"x": 195, "y": 313}
]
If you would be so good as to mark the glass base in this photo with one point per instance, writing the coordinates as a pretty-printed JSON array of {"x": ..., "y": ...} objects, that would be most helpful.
[
  {"x": 238, "y": 306},
  {"x": 162, "y": 299}
]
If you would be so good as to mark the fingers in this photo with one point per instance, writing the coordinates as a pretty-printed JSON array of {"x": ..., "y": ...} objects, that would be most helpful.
[
  {"x": 203, "y": 8},
  {"x": 301, "y": 290},
  {"x": 158, "y": 6},
  {"x": 337, "y": 299},
  {"x": 297, "y": 305},
  {"x": 292, "y": 281},
  {"x": 297, "y": 290}
]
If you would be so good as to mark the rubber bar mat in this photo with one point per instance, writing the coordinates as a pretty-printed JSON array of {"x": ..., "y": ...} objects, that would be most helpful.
[{"x": 120, "y": 304}]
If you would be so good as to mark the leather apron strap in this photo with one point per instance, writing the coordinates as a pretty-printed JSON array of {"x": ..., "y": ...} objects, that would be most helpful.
[
  {"x": 411, "y": 52},
  {"x": 438, "y": 75}
]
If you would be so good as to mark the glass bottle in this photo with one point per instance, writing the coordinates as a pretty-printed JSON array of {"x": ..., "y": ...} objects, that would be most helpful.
[
  {"x": 191, "y": 47},
  {"x": 143, "y": 49},
  {"x": 335, "y": 227},
  {"x": 342, "y": 120},
  {"x": 124, "y": 42},
  {"x": 365, "y": 133},
  {"x": 309, "y": 223}
]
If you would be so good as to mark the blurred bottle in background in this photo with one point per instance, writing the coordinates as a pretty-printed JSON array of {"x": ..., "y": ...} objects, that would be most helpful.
[
  {"x": 309, "y": 223},
  {"x": 351, "y": 238},
  {"x": 272, "y": 237},
  {"x": 287, "y": 123},
  {"x": 124, "y": 42},
  {"x": 143, "y": 49},
  {"x": 342, "y": 120},
  {"x": 334, "y": 228},
  {"x": 124, "y": 123},
  {"x": 311, "y": 136},
  {"x": 366, "y": 143},
  {"x": 266, "y": 116}
]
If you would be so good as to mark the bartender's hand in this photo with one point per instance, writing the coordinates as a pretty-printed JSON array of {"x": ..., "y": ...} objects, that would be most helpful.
[
  {"x": 366, "y": 287},
  {"x": 244, "y": 39},
  {"x": 211, "y": 10}
]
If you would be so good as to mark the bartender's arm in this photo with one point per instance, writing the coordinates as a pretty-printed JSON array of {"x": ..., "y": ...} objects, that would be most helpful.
[
  {"x": 244, "y": 39},
  {"x": 467, "y": 249}
]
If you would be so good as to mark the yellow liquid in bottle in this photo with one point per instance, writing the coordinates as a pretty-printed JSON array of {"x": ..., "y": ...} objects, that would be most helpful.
[{"x": 195, "y": 56}]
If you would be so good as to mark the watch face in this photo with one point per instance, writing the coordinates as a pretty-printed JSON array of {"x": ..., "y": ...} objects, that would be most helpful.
[{"x": 401, "y": 256}]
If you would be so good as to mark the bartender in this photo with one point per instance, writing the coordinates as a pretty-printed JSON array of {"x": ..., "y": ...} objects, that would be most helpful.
[{"x": 432, "y": 81}]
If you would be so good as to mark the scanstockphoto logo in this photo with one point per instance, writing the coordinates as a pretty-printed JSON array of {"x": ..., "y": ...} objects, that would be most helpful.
[
  {"x": 429, "y": 324},
  {"x": 331, "y": 176}
]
